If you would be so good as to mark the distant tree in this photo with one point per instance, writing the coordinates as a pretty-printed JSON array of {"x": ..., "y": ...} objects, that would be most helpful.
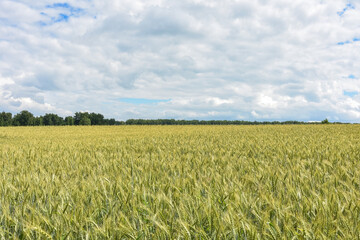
[
  {"x": 96, "y": 119},
  {"x": 24, "y": 118},
  {"x": 79, "y": 116},
  {"x": 69, "y": 121},
  {"x": 112, "y": 121},
  {"x": 53, "y": 119},
  {"x": 38, "y": 121},
  {"x": 15, "y": 122},
  {"x": 119, "y": 123},
  {"x": 5, "y": 119},
  {"x": 85, "y": 121},
  {"x": 48, "y": 120},
  {"x": 325, "y": 121},
  {"x": 130, "y": 122}
]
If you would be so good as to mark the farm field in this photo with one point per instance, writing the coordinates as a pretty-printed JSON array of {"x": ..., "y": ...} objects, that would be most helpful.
[{"x": 180, "y": 182}]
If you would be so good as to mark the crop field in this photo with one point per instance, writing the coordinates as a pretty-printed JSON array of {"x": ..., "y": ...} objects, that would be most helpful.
[{"x": 180, "y": 182}]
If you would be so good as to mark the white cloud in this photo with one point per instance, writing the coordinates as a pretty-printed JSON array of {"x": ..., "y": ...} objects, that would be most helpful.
[{"x": 275, "y": 60}]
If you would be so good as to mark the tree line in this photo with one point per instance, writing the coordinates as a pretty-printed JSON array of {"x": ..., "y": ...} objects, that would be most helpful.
[
  {"x": 215, "y": 122},
  {"x": 26, "y": 118}
]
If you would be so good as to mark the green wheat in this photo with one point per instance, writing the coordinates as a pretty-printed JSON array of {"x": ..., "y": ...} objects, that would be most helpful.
[{"x": 180, "y": 182}]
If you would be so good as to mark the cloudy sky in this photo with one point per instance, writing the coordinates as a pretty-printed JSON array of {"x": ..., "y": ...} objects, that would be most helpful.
[{"x": 182, "y": 59}]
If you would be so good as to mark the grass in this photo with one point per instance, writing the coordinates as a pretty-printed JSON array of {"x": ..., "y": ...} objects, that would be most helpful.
[{"x": 180, "y": 182}]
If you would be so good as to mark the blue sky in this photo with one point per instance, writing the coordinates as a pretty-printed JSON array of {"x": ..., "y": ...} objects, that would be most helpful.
[{"x": 188, "y": 59}]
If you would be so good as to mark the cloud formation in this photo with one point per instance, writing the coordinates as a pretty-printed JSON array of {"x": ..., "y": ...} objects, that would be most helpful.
[{"x": 251, "y": 60}]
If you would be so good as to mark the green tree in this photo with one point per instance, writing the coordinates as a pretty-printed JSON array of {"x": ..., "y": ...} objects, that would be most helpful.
[
  {"x": 53, "y": 119},
  {"x": 85, "y": 121},
  {"x": 24, "y": 118},
  {"x": 79, "y": 116},
  {"x": 5, "y": 119},
  {"x": 96, "y": 119},
  {"x": 69, "y": 121},
  {"x": 325, "y": 121},
  {"x": 48, "y": 120},
  {"x": 38, "y": 121}
]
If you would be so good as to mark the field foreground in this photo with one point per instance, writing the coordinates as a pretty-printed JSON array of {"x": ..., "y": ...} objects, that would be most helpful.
[{"x": 170, "y": 182}]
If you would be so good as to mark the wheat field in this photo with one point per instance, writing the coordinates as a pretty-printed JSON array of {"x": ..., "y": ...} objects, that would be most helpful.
[{"x": 180, "y": 182}]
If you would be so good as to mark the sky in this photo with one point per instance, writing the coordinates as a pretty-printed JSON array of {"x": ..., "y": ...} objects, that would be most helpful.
[{"x": 183, "y": 59}]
